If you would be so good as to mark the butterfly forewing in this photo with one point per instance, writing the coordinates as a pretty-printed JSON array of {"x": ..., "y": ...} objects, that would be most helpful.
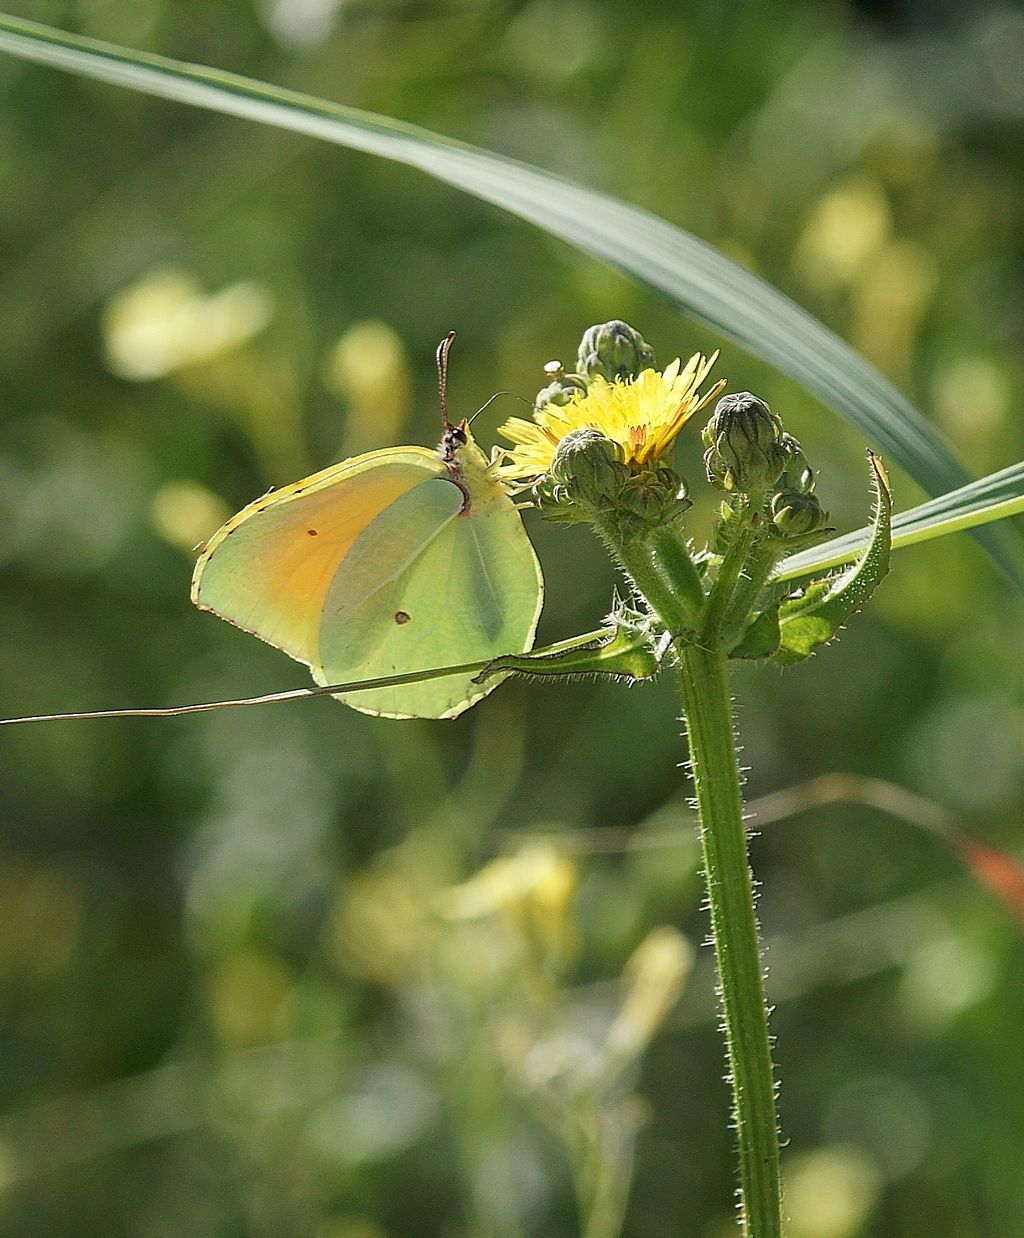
[{"x": 268, "y": 569}]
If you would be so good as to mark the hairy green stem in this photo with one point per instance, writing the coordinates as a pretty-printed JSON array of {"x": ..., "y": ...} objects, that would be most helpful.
[
  {"x": 704, "y": 687},
  {"x": 661, "y": 568},
  {"x": 671, "y": 557},
  {"x": 752, "y": 580},
  {"x": 725, "y": 583}
]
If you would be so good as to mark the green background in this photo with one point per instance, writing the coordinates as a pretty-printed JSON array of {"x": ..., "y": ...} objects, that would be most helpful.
[{"x": 230, "y": 1002}]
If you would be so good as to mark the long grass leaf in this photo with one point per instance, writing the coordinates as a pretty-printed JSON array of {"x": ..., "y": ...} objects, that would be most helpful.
[{"x": 696, "y": 278}]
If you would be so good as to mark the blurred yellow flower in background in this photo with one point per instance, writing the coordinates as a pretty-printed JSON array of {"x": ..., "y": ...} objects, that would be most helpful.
[
  {"x": 166, "y": 322},
  {"x": 532, "y": 889},
  {"x": 368, "y": 369}
]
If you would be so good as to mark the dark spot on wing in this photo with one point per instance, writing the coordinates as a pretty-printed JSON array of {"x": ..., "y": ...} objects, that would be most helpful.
[
  {"x": 402, "y": 616},
  {"x": 311, "y": 532}
]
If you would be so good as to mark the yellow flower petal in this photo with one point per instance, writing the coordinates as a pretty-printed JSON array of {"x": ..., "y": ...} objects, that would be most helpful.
[{"x": 643, "y": 416}]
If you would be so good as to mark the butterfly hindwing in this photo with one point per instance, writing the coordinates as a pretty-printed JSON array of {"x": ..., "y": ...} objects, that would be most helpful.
[{"x": 470, "y": 592}]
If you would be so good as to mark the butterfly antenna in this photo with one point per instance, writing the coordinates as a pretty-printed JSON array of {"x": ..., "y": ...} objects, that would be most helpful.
[
  {"x": 484, "y": 407},
  {"x": 443, "y": 349}
]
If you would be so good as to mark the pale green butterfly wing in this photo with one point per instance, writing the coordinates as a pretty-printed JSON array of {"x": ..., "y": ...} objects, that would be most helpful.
[
  {"x": 432, "y": 581},
  {"x": 327, "y": 570},
  {"x": 268, "y": 569}
]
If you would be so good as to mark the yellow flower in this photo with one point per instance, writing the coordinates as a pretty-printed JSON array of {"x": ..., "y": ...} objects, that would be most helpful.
[{"x": 642, "y": 415}]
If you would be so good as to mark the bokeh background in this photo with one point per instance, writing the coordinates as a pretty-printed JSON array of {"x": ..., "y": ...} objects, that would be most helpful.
[{"x": 296, "y": 971}]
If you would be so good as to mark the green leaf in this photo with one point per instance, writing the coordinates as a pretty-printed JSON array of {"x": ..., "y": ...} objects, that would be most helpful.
[
  {"x": 694, "y": 277},
  {"x": 621, "y": 652},
  {"x": 761, "y": 638},
  {"x": 814, "y": 617},
  {"x": 990, "y": 498}
]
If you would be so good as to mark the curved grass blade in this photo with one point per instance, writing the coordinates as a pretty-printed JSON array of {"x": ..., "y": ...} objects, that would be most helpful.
[
  {"x": 696, "y": 278},
  {"x": 990, "y": 498}
]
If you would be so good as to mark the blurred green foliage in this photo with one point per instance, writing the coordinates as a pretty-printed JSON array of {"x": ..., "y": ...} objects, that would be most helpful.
[{"x": 245, "y": 988}]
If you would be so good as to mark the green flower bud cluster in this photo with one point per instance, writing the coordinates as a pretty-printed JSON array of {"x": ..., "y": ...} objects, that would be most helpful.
[
  {"x": 587, "y": 469},
  {"x": 798, "y": 474},
  {"x": 748, "y": 452},
  {"x": 614, "y": 350},
  {"x": 795, "y": 514},
  {"x": 795, "y": 509},
  {"x": 590, "y": 481}
]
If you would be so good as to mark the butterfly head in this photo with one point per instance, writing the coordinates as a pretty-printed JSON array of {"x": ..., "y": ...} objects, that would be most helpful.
[{"x": 452, "y": 440}]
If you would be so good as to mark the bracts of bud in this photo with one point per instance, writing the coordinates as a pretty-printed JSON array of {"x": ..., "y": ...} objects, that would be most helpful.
[
  {"x": 589, "y": 481},
  {"x": 746, "y": 449},
  {"x": 796, "y": 515},
  {"x": 798, "y": 474},
  {"x": 614, "y": 350}
]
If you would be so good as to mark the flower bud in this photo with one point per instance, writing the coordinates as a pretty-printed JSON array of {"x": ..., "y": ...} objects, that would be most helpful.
[
  {"x": 588, "y": 468},
  {"x": 798, "y": 474},
  {"x": 744, "y": 441},
  {"x": 561, "y": 388},
  {"x": 649, "y": 500},
  {"x": 795, "y": 514},
  {"x": 614, "y": 350}
]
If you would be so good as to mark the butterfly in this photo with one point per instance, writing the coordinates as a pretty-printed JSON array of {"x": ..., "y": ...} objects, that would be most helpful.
[{"x": 395, "y": 561}]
